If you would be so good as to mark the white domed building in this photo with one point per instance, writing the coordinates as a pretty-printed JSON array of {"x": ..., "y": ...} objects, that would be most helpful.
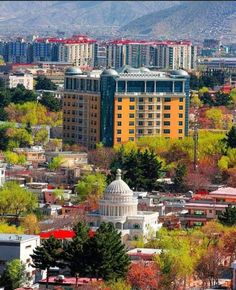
[{"x": 120, "y": 206}]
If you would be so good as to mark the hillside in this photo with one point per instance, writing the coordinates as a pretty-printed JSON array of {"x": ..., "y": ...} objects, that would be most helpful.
[
  {"x": 73, "y": 15},
  {"x": 194, "y": 20}
]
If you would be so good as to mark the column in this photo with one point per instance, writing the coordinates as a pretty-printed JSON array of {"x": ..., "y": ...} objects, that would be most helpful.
[
  {"x": 125, "y": 86},
  {"x": 173, "y": 87}
]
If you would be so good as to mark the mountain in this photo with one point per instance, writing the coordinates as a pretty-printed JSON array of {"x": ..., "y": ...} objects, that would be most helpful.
[
  {"x": 73, "y": 15},
  {"x": 189, "y": 20}
]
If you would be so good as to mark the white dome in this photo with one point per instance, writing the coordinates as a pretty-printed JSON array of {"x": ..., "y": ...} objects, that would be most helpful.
[{"x": 118, "y": 186}]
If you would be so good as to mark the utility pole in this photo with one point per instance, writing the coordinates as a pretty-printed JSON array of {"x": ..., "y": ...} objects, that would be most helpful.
[{"x": 195, "y": 139}]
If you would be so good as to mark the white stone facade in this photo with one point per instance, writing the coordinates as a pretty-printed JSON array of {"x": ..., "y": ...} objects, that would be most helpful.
[{"x": 119, "y": 206}]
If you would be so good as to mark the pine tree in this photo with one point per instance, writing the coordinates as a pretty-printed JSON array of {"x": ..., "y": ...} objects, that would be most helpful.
[
  {"x": 228, "y": 217},
  {"x": 231, "y": 138},
  {"x": 49, "y": 254},
  {"x": 180, "y": 173},
  {"x": 108, "y": 257}
]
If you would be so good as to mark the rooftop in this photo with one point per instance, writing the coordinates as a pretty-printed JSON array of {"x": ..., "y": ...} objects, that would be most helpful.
[
  {"x": 16, "y": 238},
  {"x": 224, "y": 191},
  {"x": 69, "y": 281}
]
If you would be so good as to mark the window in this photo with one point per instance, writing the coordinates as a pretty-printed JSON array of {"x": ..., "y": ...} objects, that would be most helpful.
[
  {"x": 135, "y": 86},
  {"x": 149, "y": 116},
  {"x": 131, "y": 115},
  {"x": 118, "y": 131},
  {"x": 158, "y": 115},
  {"x": 150, "y": 107},
  {"x": 140, "y": 123},
  {"x": 180, "y": 115},
  {"x": 27, "y": 247},
  {"x": 119, "y": 107},
  {"x": 181, "y": 99},
  {"x": 140, "y": 100},
  {"x": 28, "y": 261},
  {"x": 180, "y": 131},
  {"x": 167, "y": 123},
  {"x": 167, "y": 99},
  {"x": 178, "y": 86},
  {"x": 131, "y": 99},
  {"x": 121, "y": 86},
  {"x": 140, "y": 131},
  {"x": 119, "y": 100},
  {"x": 140, "y": 107},
  {"x": 118, "y": 139},
  {"x": 150, "y": 87},
  {"x": 180, "y": 123},
  {"x": 150, "y": 123},
  {"x": 131, "y": 138},
  {"x": 131, "y": 131},
  {"x": 158, "y": 107},
  {"x": 149, "y": 131},
  {"x": 131, "y": 123},
  {"x": 166, "y": 131},
  {"x": 131, "y": 107},
  {"x": 164, "y": 86},
  {"x": 150, "y": 100},
  {"x": 158, "y": 123},
  {"x": 119, "y": 123},
  {"x": 166, "y": 107},
  {"x": 119, "y": 116},
  {"x": 181, "y": 107}
]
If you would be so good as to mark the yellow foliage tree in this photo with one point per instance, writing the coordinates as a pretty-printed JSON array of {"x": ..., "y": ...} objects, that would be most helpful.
[{"x": 31, "y": 225}]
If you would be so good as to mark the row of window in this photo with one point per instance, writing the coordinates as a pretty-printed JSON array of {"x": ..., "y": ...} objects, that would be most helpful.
[
  {"x": 167, "y": 131},
  {"x": 140, "y": 123},
  {"x": 167, "y": 116},
  {"x": 169, "y": 107},
  {"x": 141, "y": 107},
  {"x": 80, "y": 98},
  {"x": 141, "y": 116},
  {"x": 150, "y": 100}
]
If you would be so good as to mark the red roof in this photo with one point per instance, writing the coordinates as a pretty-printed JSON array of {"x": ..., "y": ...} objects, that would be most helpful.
[
  {"x": 62, "y": 234},
  {"x": 76, "y": 39},
  {"x": 70, "y": 280}
]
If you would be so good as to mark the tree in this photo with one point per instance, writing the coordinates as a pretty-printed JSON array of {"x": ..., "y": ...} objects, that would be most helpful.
[
  {"x": 15, "y": 199},
  {"x": 143, "y": 276},
  {"x": 101, "y": 157},
  {"x": 19, "y": 136},
  {"x": 41, "y": 136},
  {"x": 92, "y": 184},
  {"x": 55, "y": 163},
  {"x": 222, "y": 99},
  {"x": 10, "y": 229},
  {"x": 49, "y": 254},
  {"x": 230, "y": 139},
  {"x": 31, "y": 225},
  {"x": 43, "y": 83},
  {"x": 140, "y": 169},
  {"x": 178, "y": 179},
  {"x": 102, "y": 255},
  {"x": 20, "y": 95},
  {"x": 215, "y": 116},
  {"x": 50, "y": 102},
  {"x": 196, "y": 102},
  {"x": 228, "y": 217},
  {"x": 14, "y": 276}
]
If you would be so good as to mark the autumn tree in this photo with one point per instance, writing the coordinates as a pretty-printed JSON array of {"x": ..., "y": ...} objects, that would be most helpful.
[
  {"x": 143, "y": 276},
  {"x": 215, "y": 116},
  {"x": 10, "y": 229},
  {"x": 30, "y": 224}
]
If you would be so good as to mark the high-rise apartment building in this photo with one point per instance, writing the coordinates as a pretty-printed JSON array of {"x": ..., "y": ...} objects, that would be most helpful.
[
  {"x": 162, "y": 54},
  {"x": 18, "y": 51},
  {"x": 79, "y": 49},
  {"x": 45, "y": 49},
  {"x": 115, "y": 107}
]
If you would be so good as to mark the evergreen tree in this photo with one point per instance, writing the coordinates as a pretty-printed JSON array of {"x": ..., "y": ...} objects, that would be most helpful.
[
  {"x": 108, "y": 258},
  {"x": 180, "y": 173},
  {"x": 230, "y": 139},
  {"x": 140, "y": 169},
  {"x": 49, "y": 254},
  {"x": 43, "y": 83},
  {"x": 228, "y": 217},
  {"x": 50, "y": 102}
]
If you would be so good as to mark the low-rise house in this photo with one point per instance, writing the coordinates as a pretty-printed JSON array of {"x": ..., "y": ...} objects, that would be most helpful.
[
  {"x": 18, "y": 247},
  {"x": 224, "y": 194},
  {"x": 69, "y": 158},
  {"x": 198, "y": 213},
  {"x": 34, "y": 154},
  {"x": 143, "y": 254}
]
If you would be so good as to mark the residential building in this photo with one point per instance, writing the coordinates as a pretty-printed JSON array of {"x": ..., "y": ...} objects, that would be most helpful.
[
  {"x": 12, "y": 80},
  {"x": 224, "y": 194},
  {"x": 69, "y": 158},
  {"x": 45, "y": 49},
  {"x": 79, "y": 49},
  {"x": 2, "y": 173},
  {"x": 119, "y": 206},
  {"x": 160, "y": 54},
  {"x": 118, "y": 106},
  {"x": 198, "y": 213},
  {"x": 143, "y": 254},
  {"x": 18, "y": 51},
  {"x": 18, "y": 247},
  {"x": 34, "y": 154}
]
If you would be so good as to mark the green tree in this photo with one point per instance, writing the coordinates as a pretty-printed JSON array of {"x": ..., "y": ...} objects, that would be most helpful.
[
  {"x": 92, "y": 184},
  {"x": 140, "y": 169},
  {"x": 50, "y": 102},
  {"x": 43, "y": 83},
  {"x": 49, "y": 254},
  {"x": 15, "y": 199},
  {"x": 180, "y": 173},
  {"x": 228, "y": 217},
  {"x": 55, "y": 163},
  {"x": 14, "y": 276},
  {"x": 215, "y": 116},
  {"x": 230, "y": 139},
  {"x": 41, "y": 136},
  {"x": 102, "y": 255},
  {"x": 20, "y": 95}
]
